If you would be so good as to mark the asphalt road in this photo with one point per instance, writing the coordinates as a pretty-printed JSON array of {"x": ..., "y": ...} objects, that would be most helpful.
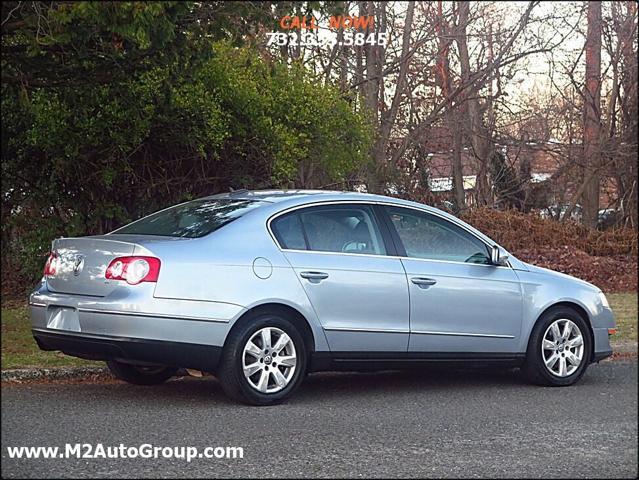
[{"x": 390, "y": 424}]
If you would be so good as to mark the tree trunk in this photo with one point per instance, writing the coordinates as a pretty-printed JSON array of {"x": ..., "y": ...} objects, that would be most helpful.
[
  {"x": 625, "y": 24},
  {"x": 592, "y": 116},
  {"x": 343, "y": 63},
  {"x": 371, "y": 88},
  {"x": 458, "y": 167},
  {"x": 387, "y": 118},
  {"x": 452, "y": 116},
  {"x": 475, "y": 130}
]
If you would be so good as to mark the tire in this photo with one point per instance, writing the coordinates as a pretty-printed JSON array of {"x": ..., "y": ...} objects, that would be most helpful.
[
  {"x": 235, "y": 357},
  {"x": 140, "y": 375},
  {"x": 535, "y": 367}
]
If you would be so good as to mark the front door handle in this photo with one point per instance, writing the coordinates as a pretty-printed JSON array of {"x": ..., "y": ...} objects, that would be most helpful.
[
  {"x": 423, "y": 282},
  {"x": 314, "y": 275}
]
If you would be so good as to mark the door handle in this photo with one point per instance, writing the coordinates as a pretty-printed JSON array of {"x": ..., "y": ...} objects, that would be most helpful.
[
  {"x": 423, "y": 282},
  {"x": 314, "y": 275}
]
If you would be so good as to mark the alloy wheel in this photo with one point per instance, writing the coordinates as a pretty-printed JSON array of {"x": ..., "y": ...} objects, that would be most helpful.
[
  {"x": 269, "y": 360},
  {"x": 562, "y": 347}
]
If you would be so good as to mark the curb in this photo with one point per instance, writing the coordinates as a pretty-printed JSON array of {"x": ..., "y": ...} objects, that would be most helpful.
[
  {"x": 626, "y": 351},
  {"x": 60, "y": 373},
  {"x": 18, "y": 375}
]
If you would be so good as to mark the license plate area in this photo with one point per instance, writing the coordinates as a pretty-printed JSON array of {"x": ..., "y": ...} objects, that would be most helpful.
[{"x": 63, "y": 318}]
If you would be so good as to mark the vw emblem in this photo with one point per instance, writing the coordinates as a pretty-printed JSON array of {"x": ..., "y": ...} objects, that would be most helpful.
[{"x": 78, "y": 265}]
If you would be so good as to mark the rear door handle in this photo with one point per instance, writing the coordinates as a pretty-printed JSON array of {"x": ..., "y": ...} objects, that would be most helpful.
[
  {"x": 314, "y": 275},
  {"x": 423, "y": 282}
]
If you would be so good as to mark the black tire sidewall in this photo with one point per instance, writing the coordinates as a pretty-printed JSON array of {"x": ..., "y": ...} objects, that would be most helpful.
[
  {"x": 534, "y": 359},
  {"x": 130, "y": 374},
  {"x": 244, "y": 333}
]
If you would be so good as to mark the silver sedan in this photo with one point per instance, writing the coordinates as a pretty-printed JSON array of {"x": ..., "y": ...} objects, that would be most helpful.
[{"x": 261, "y": 287}]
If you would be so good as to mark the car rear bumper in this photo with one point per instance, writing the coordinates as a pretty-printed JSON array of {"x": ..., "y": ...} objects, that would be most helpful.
[
  {"x": 132, "y": 325},
  {"x": 133, "y": 350},
  {"x": 133, "y": 313}
]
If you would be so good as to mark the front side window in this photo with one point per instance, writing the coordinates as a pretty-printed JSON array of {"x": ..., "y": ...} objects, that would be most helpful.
[
  {"x": 330, "y": 228},
  {"x": 430, "y": 237},
  {"x": 192, "y": 219}
]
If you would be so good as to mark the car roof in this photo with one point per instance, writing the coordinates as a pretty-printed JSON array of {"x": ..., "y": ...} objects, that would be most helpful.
[
  {"x": 284, "y": 199},
  {"x": 304, "y": 196}
]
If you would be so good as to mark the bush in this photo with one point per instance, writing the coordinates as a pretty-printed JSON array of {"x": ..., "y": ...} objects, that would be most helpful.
[
  {"x": 515, "y": 231},
  {"x": 607, "y": 258},
  {"x": 85, "y": 159}
]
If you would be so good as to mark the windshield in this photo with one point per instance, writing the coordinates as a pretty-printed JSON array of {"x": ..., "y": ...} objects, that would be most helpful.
[{"x": 192, "y": 219}]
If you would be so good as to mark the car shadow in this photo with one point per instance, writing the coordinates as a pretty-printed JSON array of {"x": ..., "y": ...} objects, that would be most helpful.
[
  {"x": 411, "y": 380},
  {"x": 340, "y": 385},
  {"x": 343, "y": 387}
]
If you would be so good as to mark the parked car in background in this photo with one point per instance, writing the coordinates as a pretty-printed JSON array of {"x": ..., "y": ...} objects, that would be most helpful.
[
  {"x": 608, "y": 218},
  {"x": 260, "y": 288},
  {"x": 558, "y": 212},
  {"x": 447, "y": 206}
]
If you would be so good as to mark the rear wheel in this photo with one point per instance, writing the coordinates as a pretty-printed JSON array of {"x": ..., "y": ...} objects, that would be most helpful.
[
  {"x": 559, "y": 349},
  {"x": 264, "y": 361},
  {"x": 141, "y": 375}
]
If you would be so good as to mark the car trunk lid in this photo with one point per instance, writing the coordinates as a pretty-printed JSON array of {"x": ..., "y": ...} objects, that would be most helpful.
[{"x": 82, "y": 263}]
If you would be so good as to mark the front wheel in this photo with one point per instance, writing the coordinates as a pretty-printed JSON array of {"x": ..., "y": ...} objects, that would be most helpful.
[
  {"x": 559, "y": 349},
  {"x": 264, "y": 361},
  {"x": 141, "y": 375}
]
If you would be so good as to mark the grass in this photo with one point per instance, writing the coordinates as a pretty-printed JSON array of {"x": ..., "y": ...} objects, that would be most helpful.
[
  {"x": 625, "y": 307},
  {"x": 19, "y": 350}
]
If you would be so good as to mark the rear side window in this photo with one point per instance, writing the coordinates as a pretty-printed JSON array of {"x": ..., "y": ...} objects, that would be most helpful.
[
  {"x": 288, "y": 232},
  {"x": 191, "y": 220},
  {"x": 330, "y": 228}
]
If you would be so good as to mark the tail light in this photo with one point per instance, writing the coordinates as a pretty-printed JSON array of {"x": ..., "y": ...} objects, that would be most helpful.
[
  {"x": 134, "y": 270},
  {"x": 51, "y": 267}
]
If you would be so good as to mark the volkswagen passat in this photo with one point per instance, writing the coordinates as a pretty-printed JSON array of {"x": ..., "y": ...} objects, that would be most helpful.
[{"x": 260, "y": 288}]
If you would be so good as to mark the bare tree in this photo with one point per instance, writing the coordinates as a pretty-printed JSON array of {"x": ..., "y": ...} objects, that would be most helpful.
[
  {"x": 592, "y": 116},
  {"x": 387, "y": 117},
  {"x": 454, "y": 69},
  {"x": 475, "y": 130},
  {"x": 625, "y": 129},
  {"x": 453, "y": 115}
]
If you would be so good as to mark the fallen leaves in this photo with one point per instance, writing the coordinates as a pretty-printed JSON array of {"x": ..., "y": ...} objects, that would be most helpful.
[{"x": 613, "y": 273}]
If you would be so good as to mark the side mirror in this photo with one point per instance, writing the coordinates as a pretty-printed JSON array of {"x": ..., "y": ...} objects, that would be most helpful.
[{"x": 497, "y": 258}]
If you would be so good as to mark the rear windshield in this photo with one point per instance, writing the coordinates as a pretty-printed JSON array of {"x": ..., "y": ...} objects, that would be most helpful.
[{"x": 193, "y": 219}]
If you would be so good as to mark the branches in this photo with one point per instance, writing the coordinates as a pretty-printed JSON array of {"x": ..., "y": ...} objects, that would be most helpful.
[{"x": 455, "y": 78}]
